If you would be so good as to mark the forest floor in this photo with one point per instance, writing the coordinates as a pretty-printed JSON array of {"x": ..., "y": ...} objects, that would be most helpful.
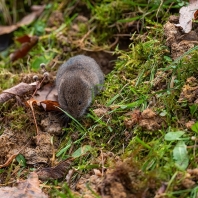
[{"x": 139, "y": 136}]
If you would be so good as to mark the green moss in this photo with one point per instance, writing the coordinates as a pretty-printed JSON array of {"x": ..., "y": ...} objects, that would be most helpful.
[
  {"x": 129, "y": 86},
  {"x": 7, "y": 79}
]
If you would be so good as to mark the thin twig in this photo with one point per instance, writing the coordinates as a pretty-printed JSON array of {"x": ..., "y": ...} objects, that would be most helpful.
[
  {"x": 86, "y": 35},
  {"x": 32, "y": 109},
  {"x": 102, "y": 163},
  {"x": 10, "y": 159},
  {"x": 38, "y": 86}
]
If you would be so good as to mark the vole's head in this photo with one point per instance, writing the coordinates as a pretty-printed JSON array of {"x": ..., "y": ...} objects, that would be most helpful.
[{"x": 74, "y": 96}]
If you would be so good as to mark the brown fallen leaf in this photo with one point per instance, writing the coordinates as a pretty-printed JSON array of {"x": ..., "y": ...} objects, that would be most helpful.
[
  {"x": 187, "y": 15},
  {"x": 56, "y": 172},
  {"x": 46, "y": 97},
  {"x": 9, "y": 161},
  {"x": 39, "y": 98},
  {"x": 37, "y": 10},
  {"x": 50, "y": 105},
  {"x": 196, "y": 15},
  {"x": 18, "y": 90},
  {"x": 47, "y": 92},
  {"x": 28, "y": 188},
  {"x": 23, "y": 39},
  {"x": 24, "y": 49},
  {"x": 7, "y": 29}
]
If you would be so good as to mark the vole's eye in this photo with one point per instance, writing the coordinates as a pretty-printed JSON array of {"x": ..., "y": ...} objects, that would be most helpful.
[{"x": 79, "y": 102}]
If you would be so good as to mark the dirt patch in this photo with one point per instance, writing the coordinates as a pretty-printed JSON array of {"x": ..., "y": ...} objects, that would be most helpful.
[
  {"x": 117, "y": 183},
  {"x": 19, "y": 136},
  {"x": 188, "y": 179},
  {"x": 147, "y": 119},
  {"x": 190, "y": 91},
  {"x": 178, "y": 41},
  {"x": 160, "y": 80},
  {"x": 35, "y": 150},
  {"x": 55, "y": 19},
  {"x": 123, "y": 181},
  {"x": 128, "y": 182},
  {"x": 104, "y": 59}
]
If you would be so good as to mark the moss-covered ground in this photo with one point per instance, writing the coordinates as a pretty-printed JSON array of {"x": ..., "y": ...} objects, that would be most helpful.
[{"x": 144, "y": 77}]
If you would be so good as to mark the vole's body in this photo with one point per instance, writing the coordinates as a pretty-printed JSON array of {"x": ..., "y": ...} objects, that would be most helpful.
[{"x": 78, "y": 80}]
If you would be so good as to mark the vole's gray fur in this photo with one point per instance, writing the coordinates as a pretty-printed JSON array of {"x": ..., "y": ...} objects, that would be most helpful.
[{"x": 78, "y": 80}]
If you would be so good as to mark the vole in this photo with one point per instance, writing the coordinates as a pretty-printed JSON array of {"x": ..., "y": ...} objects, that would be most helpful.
[{"x": 78, "y": 80}]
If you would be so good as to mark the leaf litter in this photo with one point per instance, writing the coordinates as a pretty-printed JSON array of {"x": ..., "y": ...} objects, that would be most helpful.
[
  {"x": 26, "y": 188},
  {"x": 36, "y": 11},
  {"x": 178, "y": 41},
  {"x": 24, "y": 49},
  {"x": 187, "y": 14},
  {"x": 120, "y": 181},
  {"x": 43, "y": 148}
]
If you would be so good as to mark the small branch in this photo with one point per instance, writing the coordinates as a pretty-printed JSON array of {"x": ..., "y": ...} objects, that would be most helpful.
[{"x": 18, "y": 90}]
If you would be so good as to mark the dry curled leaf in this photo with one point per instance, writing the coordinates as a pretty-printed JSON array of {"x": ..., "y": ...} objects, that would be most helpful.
[
  {"x": 24, "y": 49},
  {"x": 9, "y": 161},
  {"x": 23, "y": 39},
  {"x": 46, "y": 97},
  {"x": 28, "y": 188},
  {"x": 18, "y": 90},
  {"x": 36, "y": 11},
  {"x": 187, "y": 14},
  {"x": 56, "y": 172},
  {"x": 7, "y": 29}
]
